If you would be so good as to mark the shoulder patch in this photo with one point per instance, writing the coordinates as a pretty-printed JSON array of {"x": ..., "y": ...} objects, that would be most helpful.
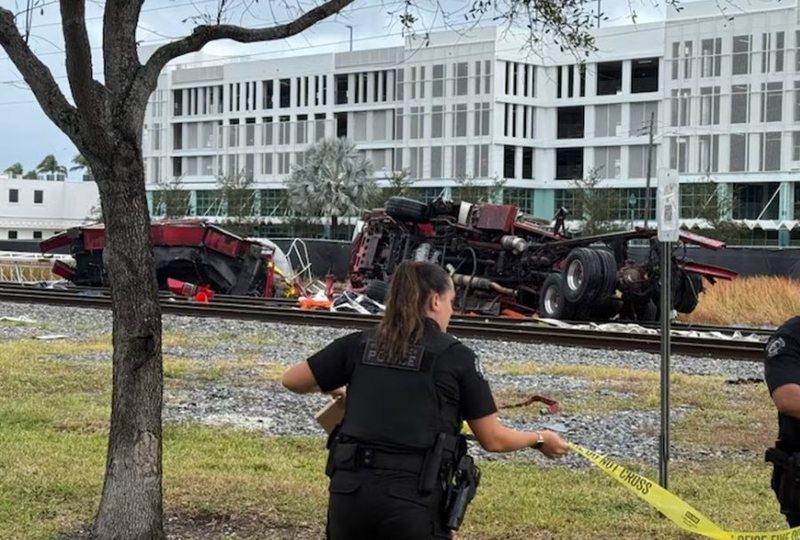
[
  {"x": 411, "y": 362},
  {"x": 775, "y": 346}
]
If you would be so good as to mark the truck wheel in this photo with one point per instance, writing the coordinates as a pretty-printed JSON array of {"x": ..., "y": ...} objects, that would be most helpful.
[
  {"x": 377, "y": 290},
  {"x": 583, "y": 275},
  {"x": 552, "y": 303},
  {"x": 687, "y": 293},
  {"x": 609, "y": 265},
  {"x": 646, "y": 312},
  {"x": 404, "y": 209}
]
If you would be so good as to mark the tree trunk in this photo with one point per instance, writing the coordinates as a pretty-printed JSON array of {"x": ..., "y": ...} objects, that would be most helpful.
[{"x": 131, "y": 503}]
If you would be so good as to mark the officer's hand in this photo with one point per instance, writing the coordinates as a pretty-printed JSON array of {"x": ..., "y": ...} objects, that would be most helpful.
[
  {"x": 554, "y": 446},
  {"x": 338, "y": 393}
]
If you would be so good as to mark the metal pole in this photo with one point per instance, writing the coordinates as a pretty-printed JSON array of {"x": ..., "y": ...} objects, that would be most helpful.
[
  {"x": 665, "y": 312},
  {"x": 649, "y": 165},
  {"x": 350, "y": 26}
]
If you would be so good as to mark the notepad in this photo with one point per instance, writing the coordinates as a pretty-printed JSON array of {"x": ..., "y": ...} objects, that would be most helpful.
[{"x": 331, "y": 414}]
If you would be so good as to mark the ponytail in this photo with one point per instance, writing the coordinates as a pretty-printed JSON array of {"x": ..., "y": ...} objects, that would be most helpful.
[{"x": 404, "y": 321}]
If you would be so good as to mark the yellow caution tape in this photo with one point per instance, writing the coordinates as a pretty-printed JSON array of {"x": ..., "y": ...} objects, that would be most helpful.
[{"x": 676, "y": 510}]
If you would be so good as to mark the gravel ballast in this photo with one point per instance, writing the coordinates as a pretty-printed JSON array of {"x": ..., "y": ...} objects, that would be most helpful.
[{"x": 267, "y": 408}]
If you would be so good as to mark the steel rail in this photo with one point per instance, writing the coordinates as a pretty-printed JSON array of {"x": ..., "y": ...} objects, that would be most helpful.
[{"x": 470, "y": 327}]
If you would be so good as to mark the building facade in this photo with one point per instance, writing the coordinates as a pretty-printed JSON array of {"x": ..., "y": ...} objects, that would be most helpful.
[
  {"x": 38, "y": 209},
  {"x": 720, "y": 95}
]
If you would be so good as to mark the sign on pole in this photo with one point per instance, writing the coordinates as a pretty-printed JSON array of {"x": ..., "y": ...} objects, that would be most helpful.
[{"x": 668, "y": 205}]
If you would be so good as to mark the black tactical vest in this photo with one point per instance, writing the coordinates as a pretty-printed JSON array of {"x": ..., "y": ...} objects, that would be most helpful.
[{"x": 396, "y": 404}]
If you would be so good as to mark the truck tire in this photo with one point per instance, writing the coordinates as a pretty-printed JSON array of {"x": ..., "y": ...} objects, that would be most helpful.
[
  {"x": 609, "y": 265},
  {"x": 552, "y": 303},
  {"x": 646, "y": 312},
  {"x": 583, "y": 275},
  {"x": 377, "y": 290},
  {"x": 404, "y": 209},
  {"x": 687, "y": 294}
]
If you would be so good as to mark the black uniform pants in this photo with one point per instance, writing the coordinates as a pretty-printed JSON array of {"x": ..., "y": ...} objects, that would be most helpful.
[{"x": 370, "y": 504}]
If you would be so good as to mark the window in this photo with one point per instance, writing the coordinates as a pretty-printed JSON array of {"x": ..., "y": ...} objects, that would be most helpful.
[
  {"x": 482, "y": 119},
  {"x": 284, "y": 129},
  {"x": 399, "y": 79},
  {"x": 13, "y": 195},
  {"x": 738, "y": 152},
  {"x": 710, "y": 57},
  {"x": 770, "y": 151},
  {"x": 359, "y": 126},
  {"x": 342, "y": 84},
  {"x": 674, "y": 59},
  {"x": 741, "y": 55},
  {"x": 644, "y": 75},
  {"x": 637, "y": 162},
  {"x": 509, "y": 161},
  {"x": 772, "y": 56},
  {"x": 569, "y": 163},
  {"x": 607, "y": 162},
  {"x": 527, "y": 163},
  {"x": 207, "y": 202},
  {"x": 272, "y": 202},
  {"x": 709, "y": 106},
  {"x": 340, "y": 122},
  {"x": 756, "y": 201},
  {"x": 640, "y": 116},
  {"x": 319, "y": 127},
  {"x": 520, "y": 197},
  {"x": 438, "y": 80},
  {"x": 12, "y": 235},
  {"x": 740, "y": 103},
  {"x": 460, "y": 161},
  {"x": 417, "y": 117},
  {"x": 609, "y": 78},
  {"x": 415, "y": 157},
  {"x": 436, "y": 162},
  {"x": 302, "y": 128},
  {"x": 607, "y": 120},
  {"x": 771, "y": 102},
  {"x": 37, "y": 235},
  {"x": 680, "y": 104},
  {"x": 679, "y": 153},
  {"x": 460, "y": 120},
  {"x": 437, "y": 121},
  {"x": 398, "y": 124},
  {"x": 687, "y": 60},
  {"x": 699, "y": 201},
  {"x": 460, "y": 80},
  {"x": 570, "y": 123},
  {"x": 285, "y": 93},
  {"x": 38, "y": 196},
  {"x": 267, "y": 132},
  {"x": 708, "y": 152},
  {"x": 480, "y": 163}
]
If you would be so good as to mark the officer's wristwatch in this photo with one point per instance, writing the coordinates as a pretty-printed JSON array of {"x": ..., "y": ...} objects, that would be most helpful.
[{"x": 539, "y": 442}]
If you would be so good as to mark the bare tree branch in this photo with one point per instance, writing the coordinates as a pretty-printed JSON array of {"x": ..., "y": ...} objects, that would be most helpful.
[
  {"x": 205, "y": 34},
  {"x": 38, "y": 76},
  {"x": 120, "y": 54},
  {"x": 78, "y": 53}
]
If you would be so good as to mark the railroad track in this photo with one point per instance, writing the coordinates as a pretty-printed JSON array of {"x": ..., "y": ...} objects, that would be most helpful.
[{"x": 520, "y": 330}]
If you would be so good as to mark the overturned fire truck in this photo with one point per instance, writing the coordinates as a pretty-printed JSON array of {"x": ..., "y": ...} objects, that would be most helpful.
[
  {"x": 501, "y": 260},
  {"x": 189, "y": 255}
]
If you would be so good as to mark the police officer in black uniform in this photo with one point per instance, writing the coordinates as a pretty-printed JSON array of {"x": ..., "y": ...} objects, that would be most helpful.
[
  {"x": 398, "y": 466},
  {"x": 782, "y": 374}
]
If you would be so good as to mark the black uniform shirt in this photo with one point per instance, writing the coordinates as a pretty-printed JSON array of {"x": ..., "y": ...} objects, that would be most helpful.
[
  {"x": 782, "y": 366},
  {"x": 458, "y": 375}
]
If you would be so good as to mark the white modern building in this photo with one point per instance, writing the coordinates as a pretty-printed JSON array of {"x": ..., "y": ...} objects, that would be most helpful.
[
  {"x": 38, "y": 209},
  {"x": 722, "y": 91}
]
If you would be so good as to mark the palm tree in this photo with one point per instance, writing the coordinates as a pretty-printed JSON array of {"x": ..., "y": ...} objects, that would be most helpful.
[
  {"x": 14, "y": 169},
  {"x": 80, "y": 164},
  {"x": 335, "y": 181},
  {"x": 50, "y": 165}
]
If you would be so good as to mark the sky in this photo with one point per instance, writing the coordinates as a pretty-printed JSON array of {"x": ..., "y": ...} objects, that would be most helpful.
[{"x": 28, "y": 135}]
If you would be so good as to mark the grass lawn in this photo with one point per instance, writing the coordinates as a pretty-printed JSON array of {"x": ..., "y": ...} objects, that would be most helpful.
[{"x": 223, "y": 483}]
